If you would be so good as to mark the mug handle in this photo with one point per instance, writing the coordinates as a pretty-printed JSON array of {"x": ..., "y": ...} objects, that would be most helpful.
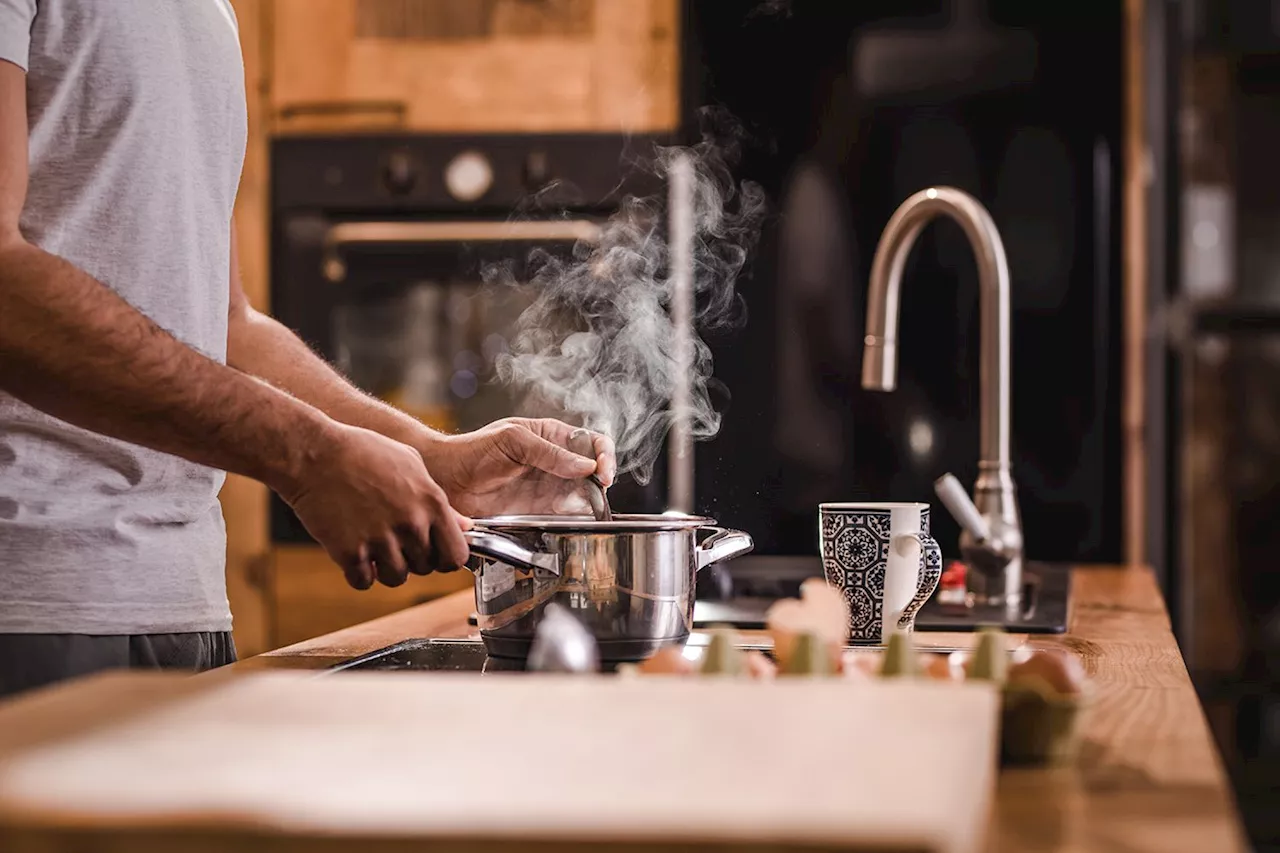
[{"x": 926, "y": 579}]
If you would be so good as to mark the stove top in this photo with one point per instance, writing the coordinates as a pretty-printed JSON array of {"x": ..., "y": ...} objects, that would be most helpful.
[
  {"x": 469, "y": 655},
  {"x": 440, "y": 655},
  {"x": 738, "y": 593}
]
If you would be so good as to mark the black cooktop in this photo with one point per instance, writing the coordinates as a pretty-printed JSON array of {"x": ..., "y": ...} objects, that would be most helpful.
[
  {"x": 739, "y": 592},
  {"x": 440, "y": 655},
  {"x": 435, "y": 655}
]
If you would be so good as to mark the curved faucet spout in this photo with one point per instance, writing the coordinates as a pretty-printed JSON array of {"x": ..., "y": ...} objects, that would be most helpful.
[
  {"x": 880, "y": 353},
  {"x": 994, "y": 492}
]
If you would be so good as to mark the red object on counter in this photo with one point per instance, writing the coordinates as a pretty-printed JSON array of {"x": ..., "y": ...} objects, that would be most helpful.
[
  {"x": 952, "y": 589},
  {"x": 954, "y": 574}
]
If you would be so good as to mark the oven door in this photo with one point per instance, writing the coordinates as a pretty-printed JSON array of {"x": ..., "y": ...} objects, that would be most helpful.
[{"x": 416, "y": 311}]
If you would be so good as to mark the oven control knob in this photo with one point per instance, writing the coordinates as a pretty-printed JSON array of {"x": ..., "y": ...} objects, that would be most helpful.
[
  {"x": 400, "y": 174},
  {"x": 468, "y": 176}
]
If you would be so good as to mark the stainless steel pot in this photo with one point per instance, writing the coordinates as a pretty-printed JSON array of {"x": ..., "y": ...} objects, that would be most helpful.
[{"x": 630, "y": 580}]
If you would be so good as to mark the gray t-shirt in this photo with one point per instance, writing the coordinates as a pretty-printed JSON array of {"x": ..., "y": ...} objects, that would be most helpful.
[{"x": 136, "y": 110}]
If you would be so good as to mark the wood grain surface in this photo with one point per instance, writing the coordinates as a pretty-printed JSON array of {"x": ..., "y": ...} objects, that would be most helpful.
[
  {"x": 470, "y": 66},
  {"x": 359, "y": 757},
  {"x": 1134, "y": 284},
  {"x": 1148, "y": 776}
]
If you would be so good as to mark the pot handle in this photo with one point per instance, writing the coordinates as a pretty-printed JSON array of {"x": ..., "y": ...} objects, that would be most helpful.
[
  {"x": 495, "y": 546},
  {"x": 721, "y": 545}
]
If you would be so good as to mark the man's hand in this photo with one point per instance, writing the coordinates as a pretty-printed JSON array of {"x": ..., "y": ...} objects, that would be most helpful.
[
  {"x": 516, "y": 466},
  {"x": 371, "y": 503}
]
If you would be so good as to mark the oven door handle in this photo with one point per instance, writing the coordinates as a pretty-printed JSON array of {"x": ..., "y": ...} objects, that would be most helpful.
[{"x": 378, "y": 233}]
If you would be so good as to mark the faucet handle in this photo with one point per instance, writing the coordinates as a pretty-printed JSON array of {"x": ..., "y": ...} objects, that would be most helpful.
[{"x": 957, "y": 502}]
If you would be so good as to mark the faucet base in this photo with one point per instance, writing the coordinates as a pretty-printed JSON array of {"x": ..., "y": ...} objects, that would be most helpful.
[
  {"x": 998, "y": 561},
  {"x": 999, "y": 589}
]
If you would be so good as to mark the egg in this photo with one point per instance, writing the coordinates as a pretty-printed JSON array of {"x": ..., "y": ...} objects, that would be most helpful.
[
  {"x": 941, "y": 668},
  {"x": 829, "y": 610},
  {"x": 1061, "y": 672},
  {"x": 669, "y": 660},
  {"x": 820, "y": 611},
  {"x": 859, "y": 665},
  {"x": 758, "y": 666}
]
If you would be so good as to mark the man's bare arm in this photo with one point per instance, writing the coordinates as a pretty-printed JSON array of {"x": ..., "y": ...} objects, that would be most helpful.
[
  {"x": 73, "y": 348},
  {"x": 262, "y": 346}
]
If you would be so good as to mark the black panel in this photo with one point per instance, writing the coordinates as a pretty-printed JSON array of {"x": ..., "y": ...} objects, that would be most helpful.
[
  {"x": 1058, "y": 206},
  {"x": 350, "y": 173},
  {"x": 1246, "y": 26}
]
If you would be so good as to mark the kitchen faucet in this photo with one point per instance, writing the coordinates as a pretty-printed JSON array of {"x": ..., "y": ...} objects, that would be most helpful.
[{"x": 995, "y": 552}]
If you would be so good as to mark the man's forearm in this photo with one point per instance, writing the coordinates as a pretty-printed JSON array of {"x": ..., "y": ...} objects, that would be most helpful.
[
  {"x": 260, "y": 345},
  {"x": 73, "y": 348}
]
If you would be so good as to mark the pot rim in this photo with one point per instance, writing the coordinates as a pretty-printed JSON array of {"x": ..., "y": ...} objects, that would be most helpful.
[{"x": 621, "y": 523}]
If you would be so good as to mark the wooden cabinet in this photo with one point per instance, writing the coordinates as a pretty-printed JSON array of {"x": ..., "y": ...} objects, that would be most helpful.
[
  {"x": 244, "y": 502},
  {"x": 474, "y": 65},
  {"x": 309, "y": 596}
]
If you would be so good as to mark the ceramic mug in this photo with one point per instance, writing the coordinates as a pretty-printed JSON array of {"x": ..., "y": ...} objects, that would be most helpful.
[{"x": 880, "y": 555}]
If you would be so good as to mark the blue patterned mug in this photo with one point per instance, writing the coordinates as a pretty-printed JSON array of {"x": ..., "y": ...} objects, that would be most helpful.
[{"x": 880, "y": 555}]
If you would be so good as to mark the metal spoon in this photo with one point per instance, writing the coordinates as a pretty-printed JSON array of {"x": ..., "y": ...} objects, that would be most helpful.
[{"x": 580, "y": 443}]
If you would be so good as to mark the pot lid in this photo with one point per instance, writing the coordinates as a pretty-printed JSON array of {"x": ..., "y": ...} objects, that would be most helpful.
[{"x": 621, "y": 523}]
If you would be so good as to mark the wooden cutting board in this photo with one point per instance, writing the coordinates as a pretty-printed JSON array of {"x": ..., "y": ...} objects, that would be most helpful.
[{"x": 375, "y": 762}]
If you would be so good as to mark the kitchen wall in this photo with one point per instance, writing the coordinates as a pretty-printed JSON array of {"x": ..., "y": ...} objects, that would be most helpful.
[{"x": 338, "y": 66}]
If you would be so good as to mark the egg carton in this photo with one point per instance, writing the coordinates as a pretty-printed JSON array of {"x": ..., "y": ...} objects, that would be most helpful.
[{"x": 1043, "y": 693}]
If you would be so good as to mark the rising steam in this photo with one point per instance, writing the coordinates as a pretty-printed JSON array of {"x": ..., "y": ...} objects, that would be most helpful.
[{"x": 597, "y": 341}]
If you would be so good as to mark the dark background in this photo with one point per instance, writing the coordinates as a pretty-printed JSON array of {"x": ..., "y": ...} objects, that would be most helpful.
[{"x": 1043, "y": 154}]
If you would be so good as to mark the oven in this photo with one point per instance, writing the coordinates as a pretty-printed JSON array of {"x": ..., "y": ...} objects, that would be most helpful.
[{"x": 385, "y": 249}]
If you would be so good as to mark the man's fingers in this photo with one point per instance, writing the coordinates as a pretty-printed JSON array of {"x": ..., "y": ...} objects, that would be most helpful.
[
  {"x": 606, "y": 458},
  {"x": 388, "y": 560},
  {"x": 358, "y": 570},
  {"x": 451, "y": 551},
  {"x": 525, "y": 447},
  {"x": 414, "y": 545},
  {"x": 561, "y": 434}
]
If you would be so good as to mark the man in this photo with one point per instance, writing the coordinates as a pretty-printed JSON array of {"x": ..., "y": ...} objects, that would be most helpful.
[{"x": 133, "y": 372}]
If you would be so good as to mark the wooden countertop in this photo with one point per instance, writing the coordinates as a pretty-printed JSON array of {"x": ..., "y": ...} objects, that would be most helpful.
[{"x": 1148, "y": 776}]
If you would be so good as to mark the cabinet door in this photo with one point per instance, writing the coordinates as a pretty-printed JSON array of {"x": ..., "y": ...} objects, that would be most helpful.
[
  {"x": 244, "y": 502},
  {"x": 475, "y": 65}
]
